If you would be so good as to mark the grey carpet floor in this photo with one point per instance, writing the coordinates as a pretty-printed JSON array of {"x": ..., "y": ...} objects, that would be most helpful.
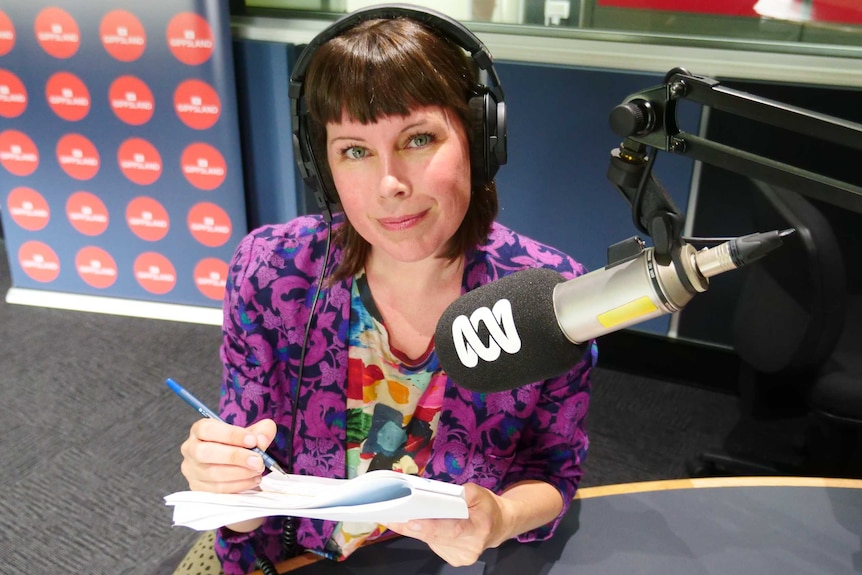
[{"x": 90, "y": 435}]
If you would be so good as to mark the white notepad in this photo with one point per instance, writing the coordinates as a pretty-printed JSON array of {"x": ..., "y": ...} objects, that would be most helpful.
[{"x": 377, "y": 496}]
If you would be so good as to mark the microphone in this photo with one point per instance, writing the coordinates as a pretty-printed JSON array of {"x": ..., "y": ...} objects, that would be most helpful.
[{"x": 534, "y": 324}]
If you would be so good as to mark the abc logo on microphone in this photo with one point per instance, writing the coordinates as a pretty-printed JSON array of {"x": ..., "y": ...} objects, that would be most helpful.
[
  {"x": 502, "y": 334},
  {"x": 505, "y": 334}
]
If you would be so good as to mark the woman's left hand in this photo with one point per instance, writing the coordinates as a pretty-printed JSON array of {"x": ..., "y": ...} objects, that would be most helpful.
[{"x": 461, "y": 541}]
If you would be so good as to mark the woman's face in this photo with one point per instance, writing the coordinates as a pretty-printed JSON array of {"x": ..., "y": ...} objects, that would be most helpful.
[{"x": 403, "y": 181}]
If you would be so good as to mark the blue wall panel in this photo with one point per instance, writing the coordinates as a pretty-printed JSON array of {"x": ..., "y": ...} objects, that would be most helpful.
[{"x": 270, "y": 173}]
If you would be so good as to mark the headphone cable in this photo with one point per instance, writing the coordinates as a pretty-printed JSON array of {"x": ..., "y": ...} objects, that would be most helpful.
[{"x": 289, "y": 535}]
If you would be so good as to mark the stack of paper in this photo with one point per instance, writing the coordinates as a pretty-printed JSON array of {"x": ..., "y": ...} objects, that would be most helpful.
[{"x": 380, "y": 496}]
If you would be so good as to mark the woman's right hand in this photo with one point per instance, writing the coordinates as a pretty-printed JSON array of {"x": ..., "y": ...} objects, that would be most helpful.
[{"x": 217, "y": 456}]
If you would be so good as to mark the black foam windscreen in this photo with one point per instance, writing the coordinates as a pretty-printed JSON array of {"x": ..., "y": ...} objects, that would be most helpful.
[
  {"x": 505, "y": 334},
  {"x": 488, "y": 131}
]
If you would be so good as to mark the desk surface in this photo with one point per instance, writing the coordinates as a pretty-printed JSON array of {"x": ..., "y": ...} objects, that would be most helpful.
[{"x": 757, "y": 525}]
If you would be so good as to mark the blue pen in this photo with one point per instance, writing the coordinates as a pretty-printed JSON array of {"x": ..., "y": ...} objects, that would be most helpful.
[{"x": 270, "y": 463}]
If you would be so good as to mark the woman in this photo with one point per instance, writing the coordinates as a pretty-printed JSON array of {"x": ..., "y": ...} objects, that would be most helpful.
[{"x": 387, "y": 109}]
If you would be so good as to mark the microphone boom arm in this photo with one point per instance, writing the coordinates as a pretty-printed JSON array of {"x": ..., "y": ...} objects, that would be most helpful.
[
  {"x": 648, "y": 118},
  {"x": 647, "y": 122}
]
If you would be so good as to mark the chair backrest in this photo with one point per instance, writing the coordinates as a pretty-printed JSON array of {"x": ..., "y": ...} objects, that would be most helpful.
[{"x": 792, "y": 305}]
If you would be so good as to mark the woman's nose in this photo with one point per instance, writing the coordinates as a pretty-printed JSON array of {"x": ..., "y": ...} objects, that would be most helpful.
[{"x": 393, "y": 181}]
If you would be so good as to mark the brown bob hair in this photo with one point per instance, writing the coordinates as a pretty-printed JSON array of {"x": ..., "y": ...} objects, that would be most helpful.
[{"x": 387, "y": 67}]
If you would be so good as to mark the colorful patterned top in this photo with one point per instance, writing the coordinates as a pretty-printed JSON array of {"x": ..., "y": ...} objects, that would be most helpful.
[
  {"x": 494, "y": 440},
  {"x": 393, "y": 405}
]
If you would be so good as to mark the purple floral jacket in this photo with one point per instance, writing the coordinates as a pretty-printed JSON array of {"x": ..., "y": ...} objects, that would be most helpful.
[{"x": 491, "y": 439}]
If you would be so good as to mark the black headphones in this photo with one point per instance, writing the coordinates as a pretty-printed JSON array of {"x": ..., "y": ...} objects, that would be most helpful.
[{"x": 488, "y": 137}]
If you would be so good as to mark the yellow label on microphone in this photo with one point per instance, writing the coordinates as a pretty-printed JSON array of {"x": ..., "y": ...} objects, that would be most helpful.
[{"x": 627, "y": 313}]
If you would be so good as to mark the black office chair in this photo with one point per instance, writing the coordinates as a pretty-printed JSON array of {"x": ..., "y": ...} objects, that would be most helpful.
[{"x": 796, "y": 347}]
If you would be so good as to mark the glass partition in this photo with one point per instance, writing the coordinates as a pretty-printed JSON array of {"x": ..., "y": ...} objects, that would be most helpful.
[
  {"x": 795, "y": 21},
  {"x": 789, "y": 41}
]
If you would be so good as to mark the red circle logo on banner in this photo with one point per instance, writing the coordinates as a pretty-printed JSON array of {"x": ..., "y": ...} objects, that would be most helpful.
[
  {"x": 18, "y": 153},
  {"x": 211, "y": 277},
  {"x": 203, "y": 166},
  {"x": 68, "y": 96},
  {"x": 147, "y": 219},
  {"x": 209, "y": 224},
  {"x": 190, "y": 38},
  {"x": 96, "y": 267},
  {"x": 197, "y": 104},
  {"x": 78, "y": 156},
  {"x": 39, "y": 261},
  {"x": 139, "y": 161},
  {"x": 7, "y": 34},
  {"x": 123, "y": 35},
  {"x": 13, "y": 95},
  {"x": 155, "y": 273},
  {"x": 87, "y": 213},
  {"x": 57, "y": 33},
  {"x": 28, "y": 208},
  {"x": 131, "y": 100}
]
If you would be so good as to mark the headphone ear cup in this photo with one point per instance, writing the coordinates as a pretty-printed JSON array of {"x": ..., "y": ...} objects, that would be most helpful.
[
  {"x": 479, "y": 152},
  {"x": 308, "y": 166},
  {"x": 488, "y": 142}
]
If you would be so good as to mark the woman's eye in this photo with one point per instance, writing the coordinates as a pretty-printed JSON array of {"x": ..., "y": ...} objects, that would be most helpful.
[
  {"x": 420, "y": 140},
  {"x": 355, "y": 152}
]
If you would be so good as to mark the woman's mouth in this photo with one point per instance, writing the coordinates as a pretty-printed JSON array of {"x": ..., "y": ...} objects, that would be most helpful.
[{"x": 399, "y": 223}]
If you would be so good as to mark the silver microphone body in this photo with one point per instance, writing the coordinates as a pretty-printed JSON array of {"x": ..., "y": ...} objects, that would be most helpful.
[
  {"x": 640, "y": 289},
  {"x": 615, "y": 297}
]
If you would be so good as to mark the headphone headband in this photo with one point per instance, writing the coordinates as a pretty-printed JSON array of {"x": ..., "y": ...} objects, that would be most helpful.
[
  {"x": 489, "y": 104},
  {"x": 437, "y": 20}
]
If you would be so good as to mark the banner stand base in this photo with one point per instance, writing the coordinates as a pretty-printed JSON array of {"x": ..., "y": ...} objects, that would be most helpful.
[{"x": 115, "y": 306}]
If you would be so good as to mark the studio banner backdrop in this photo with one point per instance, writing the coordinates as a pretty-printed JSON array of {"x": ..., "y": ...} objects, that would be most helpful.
[{"x": 120, "y": 166}]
